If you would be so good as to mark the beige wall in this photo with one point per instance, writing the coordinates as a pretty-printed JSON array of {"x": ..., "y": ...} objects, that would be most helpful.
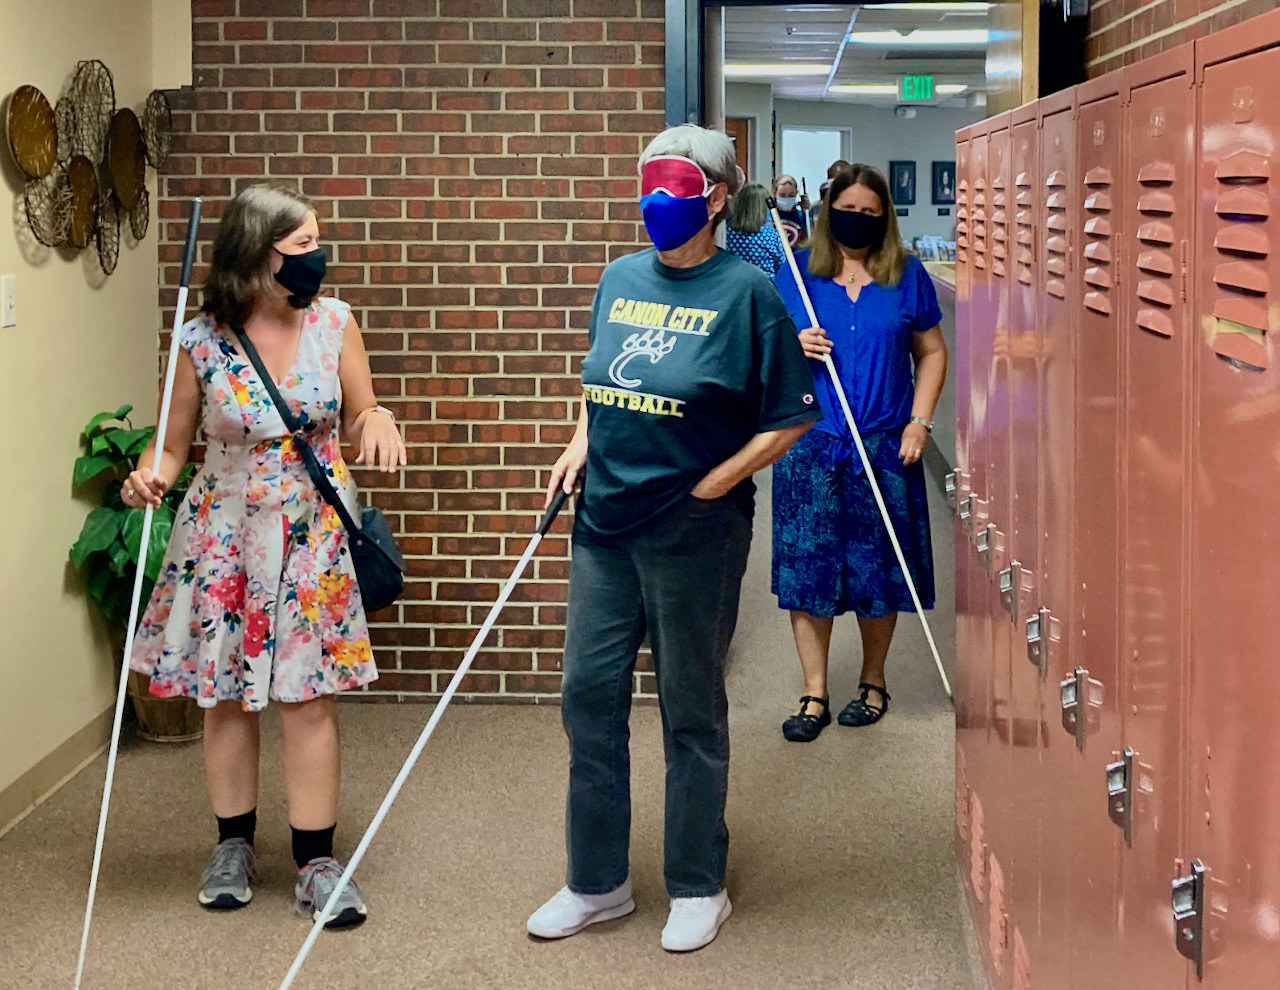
[{"x": 83, "y": 343}]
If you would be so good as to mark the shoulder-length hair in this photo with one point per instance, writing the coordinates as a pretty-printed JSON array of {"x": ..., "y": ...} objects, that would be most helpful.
[
  {"x": 887, "y": 262},
  {"x": 254, "y": 221},
  {"x": 750, "y": 209}
]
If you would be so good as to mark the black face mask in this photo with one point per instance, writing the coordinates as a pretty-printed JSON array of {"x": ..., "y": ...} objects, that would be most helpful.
[
  {"x": 858, "y": 230},
  {"x": 302, "y": 274}
]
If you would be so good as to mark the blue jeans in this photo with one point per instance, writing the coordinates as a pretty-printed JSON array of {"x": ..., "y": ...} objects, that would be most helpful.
[{"x": 679, "y": 582}]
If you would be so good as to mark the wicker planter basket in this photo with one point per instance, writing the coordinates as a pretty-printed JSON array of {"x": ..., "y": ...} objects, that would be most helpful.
[{"x": 164, "y": 720}]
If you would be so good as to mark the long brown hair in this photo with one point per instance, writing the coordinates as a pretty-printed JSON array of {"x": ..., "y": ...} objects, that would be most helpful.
[
  {"x": 887, "y": 262},
  {"x": 750, "y": 209},
  {"x": 252, "y": 224}
]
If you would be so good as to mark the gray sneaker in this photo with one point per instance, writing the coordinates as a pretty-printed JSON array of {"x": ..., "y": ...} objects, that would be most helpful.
[
  {"x": 224, "y": 885},
  {"x": 316, "y": 882}
]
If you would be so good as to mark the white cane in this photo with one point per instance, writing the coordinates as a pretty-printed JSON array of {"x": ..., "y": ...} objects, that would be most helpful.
[
  {"x": 179, "y": 318},
  {"x": 556, "y": 504},
  {"x": 862, "y": 453}
]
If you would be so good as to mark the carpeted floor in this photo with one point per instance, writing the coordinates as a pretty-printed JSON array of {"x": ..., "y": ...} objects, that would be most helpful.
[{"x": 841, "y": 866}]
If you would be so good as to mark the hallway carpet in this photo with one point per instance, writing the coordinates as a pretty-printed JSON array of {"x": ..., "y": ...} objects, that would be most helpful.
[{"x": 841, "y": 867}]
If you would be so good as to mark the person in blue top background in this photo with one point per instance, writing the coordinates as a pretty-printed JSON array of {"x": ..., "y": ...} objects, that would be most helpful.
[
  {"x": 879, "y": 320},
  {"x": 750, "y": 233}
]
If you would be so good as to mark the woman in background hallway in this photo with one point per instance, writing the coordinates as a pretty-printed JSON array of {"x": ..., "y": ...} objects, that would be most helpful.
[
  {"x": 750, "y": 233},
  {"x": 879, "y": 321},
  {"x": 694, "y": 381},
  {"x": 793, "y": 209},
  {"x": 257, "y": 598}
]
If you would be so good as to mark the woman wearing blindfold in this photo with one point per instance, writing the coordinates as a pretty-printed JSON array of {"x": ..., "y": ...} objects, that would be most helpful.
[
  {"x": 879, "y": 321},
  {"x": 695, "y": 380}
]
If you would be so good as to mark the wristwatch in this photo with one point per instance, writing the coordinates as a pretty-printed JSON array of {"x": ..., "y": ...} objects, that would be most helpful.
[
  {"x": 385, "y": 411},
  {"x": 926, "y": 423}
]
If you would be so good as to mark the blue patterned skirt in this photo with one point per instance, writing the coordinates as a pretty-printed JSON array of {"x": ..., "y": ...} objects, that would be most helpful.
[{"x": 831, "y": 553}]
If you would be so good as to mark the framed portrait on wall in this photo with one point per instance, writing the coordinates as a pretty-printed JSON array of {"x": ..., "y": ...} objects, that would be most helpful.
[
  {"x": 944, "y": 183},
  {"x": 902, "y": 183}
]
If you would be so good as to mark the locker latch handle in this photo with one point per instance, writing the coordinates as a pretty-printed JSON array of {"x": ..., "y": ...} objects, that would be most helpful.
[
  {"x": 950, "y": 486},
  {"x": 1188, "y": 915},
  {"x": 984, "y": 542},
  {"x": 1038, "y": 640},
  {"x": 1120, "y": 794},
  {"x": 1009, "y": 578},
  {"x": 1081, "y": 699}
]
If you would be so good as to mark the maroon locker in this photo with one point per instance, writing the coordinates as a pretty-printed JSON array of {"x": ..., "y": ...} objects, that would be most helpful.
[
  {"x": 958, "y": 488},
  {"x": 973, "y": 689},
  {"x": 1229, "y": 915},
  {"x": 1057, "y": 284},
  {"x": 1099, "y": 244},
  {"x": 1018, "y": 581},
  {"x": 1003, "y": 839},
  {"x": 1145, "y": 781}
]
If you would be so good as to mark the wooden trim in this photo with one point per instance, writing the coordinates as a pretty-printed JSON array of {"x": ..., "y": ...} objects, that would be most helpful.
[{"x": 43, "y": 780}]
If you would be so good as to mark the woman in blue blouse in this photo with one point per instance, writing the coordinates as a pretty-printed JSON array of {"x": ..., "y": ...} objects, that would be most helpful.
[
  {"x": 750, "y": 235},
  {"x": 878, "y": 316}
]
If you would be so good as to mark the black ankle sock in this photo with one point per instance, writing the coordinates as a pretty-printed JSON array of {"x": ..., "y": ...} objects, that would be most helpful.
[
  {"x": 309, "y": 844},
  {"x": 239, "y": 827}
]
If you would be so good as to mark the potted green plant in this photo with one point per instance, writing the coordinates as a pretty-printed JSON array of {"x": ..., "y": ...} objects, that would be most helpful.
[{"x": 107, "y": 553}]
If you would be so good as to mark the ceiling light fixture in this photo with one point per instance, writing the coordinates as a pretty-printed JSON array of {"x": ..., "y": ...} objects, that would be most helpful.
[
  {"x": 974, "y": 7},
  {"x": 864, "y": 89},
  {"x": 774, "y": 69},
  {"x": 920, "y": 37}
]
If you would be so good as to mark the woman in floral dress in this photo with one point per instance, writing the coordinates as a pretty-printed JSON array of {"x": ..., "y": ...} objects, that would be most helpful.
[{"x": 258, "y": 599}]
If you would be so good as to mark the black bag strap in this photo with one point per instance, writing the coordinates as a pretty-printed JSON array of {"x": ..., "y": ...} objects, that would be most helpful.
[{"x": 312, "y": 463}]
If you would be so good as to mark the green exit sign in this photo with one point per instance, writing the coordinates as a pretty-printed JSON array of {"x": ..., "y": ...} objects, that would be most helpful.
[{"x": 915, "y": 88}]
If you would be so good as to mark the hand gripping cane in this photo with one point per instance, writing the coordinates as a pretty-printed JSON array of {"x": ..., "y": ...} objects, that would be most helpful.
[
  {"x": 179, "y": 318},
  {"x": 862, "y": 453},
  {"x": 556, "y": 504}
]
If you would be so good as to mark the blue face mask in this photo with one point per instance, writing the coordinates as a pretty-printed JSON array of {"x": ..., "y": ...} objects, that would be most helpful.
[{"x": 673, "y": 220}]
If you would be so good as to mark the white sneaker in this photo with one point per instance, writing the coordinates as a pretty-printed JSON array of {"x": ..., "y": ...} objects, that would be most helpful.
[
  {"x": 568, "y": 913},
  {"x": 695, "y": 921}
]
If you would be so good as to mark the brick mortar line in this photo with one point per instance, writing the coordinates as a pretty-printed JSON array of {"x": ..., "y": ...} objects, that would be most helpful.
[{"x": 1165, "y": 32}]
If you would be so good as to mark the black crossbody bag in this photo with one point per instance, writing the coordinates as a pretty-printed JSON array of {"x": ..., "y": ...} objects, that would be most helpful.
[{"x": 378, "y": 563}]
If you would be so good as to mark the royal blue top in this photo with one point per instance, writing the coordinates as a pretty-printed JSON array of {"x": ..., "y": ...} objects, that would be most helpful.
[{"x": 870, "y": 345}]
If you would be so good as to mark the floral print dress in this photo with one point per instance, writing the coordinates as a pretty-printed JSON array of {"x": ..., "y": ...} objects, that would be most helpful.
[{"x": 258, "y": 597}]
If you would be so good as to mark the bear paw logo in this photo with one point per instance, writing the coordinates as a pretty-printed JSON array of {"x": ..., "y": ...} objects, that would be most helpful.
[{"x": 653, "y": 344}]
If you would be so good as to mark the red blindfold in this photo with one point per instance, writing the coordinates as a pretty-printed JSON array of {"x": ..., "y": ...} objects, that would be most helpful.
[{"x": 674, "y": 175}]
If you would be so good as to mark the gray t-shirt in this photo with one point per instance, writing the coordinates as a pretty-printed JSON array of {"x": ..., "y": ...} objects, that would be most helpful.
[{"x": 686, "y": 365}]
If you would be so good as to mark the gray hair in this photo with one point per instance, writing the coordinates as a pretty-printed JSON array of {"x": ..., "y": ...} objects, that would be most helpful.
[{"x": 712, "y": 150}]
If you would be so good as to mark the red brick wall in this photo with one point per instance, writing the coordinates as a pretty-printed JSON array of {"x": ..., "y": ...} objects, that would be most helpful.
[
  {"x": 473, "y": 162},
  {"x": 1124, "y": 31}
]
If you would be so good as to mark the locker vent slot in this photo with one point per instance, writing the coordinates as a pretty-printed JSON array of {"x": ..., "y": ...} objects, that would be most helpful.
[
  {"x": 1056, "y": 265},
  {"x": 998, "y": 232},
  {"x": 1056, "y": 221},
  {"x": 999, "y": 199},
  {"x": 1156, "y": 202},
  {"x": 1024, "y": 276},
  {"x": 1056, "y": 288},
  {"x": 980, "y": 199},
  {"x": 1097, "y": 231},
  {"x": 998, "y": 268},
  {"x": 979, "y": 230},
  {"x": 1154, "y": 291},
  {"x": 1057, "y": 180},
  {"x": 1156, "y": 232},
  {"x": 999, "y": 217},
  {"x": 1025, "y": 235},
  {"x": 1056, "y": 245},
  {"x": 1057, "y": 201},
  {"x": 999, "y": 182},
  {"x": 1156, "y": 263},
  {"x": 964, "y": 185},
  {"x": 1241, "y": 311},
  {"x": 1243, "y": 239},
  {"x": 1244, "y": 201},
  {"x": 1240, "y": 348},
  {"x": 1243, "y": 166},
  {"x": 962, "y": 239},
  {"x": 1243, "y": 277},
  {"x": 980, "y": 184},
  {"x": 1097, "y": 277},
  {"x": 1023, "y": 217},
  {"x": 1025, "y": 257},
  {"x": 979, "y": 215},
  {"x": 1023, "y": 181},
  {"x": 998, "y": 250},
  {"x": 1156, "y": 174},
  {"x": 1156, "y": 322},
  {"x": 962, "y": 213},
  {"x": 1024, "y": 198},
  {"x": 1245, "y": 312},
  {"x": 1097, "y": 302}
]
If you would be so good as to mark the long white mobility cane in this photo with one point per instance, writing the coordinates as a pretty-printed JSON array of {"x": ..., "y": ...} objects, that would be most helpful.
[
  {"x": 179, "y": 318},
  {"x": 556, "y": 504},
  {"x": 862, "y": 452}
]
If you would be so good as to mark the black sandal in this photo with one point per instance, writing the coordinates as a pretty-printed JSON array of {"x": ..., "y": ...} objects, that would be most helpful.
[
  {"x": 859, "y": 713},
  {"x": 803, "y": 727}
]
